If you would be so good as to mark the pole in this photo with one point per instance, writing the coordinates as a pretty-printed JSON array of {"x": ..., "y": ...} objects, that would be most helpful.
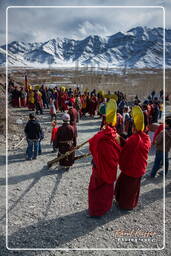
[{"x": 57, "y": 159}]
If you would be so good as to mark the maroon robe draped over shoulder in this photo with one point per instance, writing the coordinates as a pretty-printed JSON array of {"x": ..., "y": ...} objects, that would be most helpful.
[
  {"x": 133, "y": 162},
  {"x": 105, "y": 151},
  {"x": 73, "y": 119}
]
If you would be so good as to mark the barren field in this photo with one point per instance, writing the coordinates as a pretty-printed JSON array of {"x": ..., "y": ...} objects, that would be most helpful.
[{"x": 131, "y": 82}]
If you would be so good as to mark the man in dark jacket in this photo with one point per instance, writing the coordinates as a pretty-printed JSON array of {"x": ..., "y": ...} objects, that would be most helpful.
[{"x": 33, "y": 133}]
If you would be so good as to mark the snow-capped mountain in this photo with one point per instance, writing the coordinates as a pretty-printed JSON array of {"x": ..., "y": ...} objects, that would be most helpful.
[{"x": 140, "y": 47}]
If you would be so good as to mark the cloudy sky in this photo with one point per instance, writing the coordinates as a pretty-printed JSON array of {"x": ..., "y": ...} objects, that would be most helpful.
[{"x": 41, "y": 24}]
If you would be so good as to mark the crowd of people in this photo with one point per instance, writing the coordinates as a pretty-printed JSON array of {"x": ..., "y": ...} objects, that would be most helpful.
[
  {"x": 122, "y": 139},
  {"x": 58, "y": 98}
]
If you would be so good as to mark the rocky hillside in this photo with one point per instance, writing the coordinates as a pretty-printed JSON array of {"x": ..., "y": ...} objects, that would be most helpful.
[{"x": 140, "y": 47}]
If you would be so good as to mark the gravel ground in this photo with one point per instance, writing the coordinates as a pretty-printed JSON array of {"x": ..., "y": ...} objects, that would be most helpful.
[{"x": 48, "y": 208}]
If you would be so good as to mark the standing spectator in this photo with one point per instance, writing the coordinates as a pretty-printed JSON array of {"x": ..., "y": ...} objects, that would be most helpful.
[
  {"x": 39, "y": 143},
  {"x": 119, "y": 124},
  {"x": 78, "y": 103},
  {"x": 161, "y": 94},
  {"x": 38, "y": 102},
  {"x": 33, "y": 133},
  {"x": 126, "y": 120},
  {"x": 44, "y": 96},
  {"x": 53, "y": 134},
  {"x": 23, "y": 96},
  {"x": 146, "y": 116},
  {"x": 155, "y": 114},
  {"x": 121, "y": 106},
  {"x": 83, "y": 105},
  {"x": 159, "y": 149},
  {"x": 160, "y": 109},
  {"x": 16, "y": 94},
  {"x": 73, "y": 117},
  {"x": 63, "y": 100},
  {"x": 92, "y": 104},
  {"x": 153, "y": 94},
  {"x": 52, "y": 109},
  {"x": 31, "y": 99}
]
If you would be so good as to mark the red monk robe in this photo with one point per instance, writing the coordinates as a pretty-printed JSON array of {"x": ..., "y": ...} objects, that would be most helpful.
[
  {"x": 133, "y": 162},
  {"x": 105, "y": 151},
  {"x": 73, "y": 118}
]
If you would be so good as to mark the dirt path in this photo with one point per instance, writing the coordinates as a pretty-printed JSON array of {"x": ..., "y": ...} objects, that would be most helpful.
[{"x": 48, "y": 208}]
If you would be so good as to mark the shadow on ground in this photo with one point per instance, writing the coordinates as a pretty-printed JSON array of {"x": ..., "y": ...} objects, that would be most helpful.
[{"x": 56, "y": 233}]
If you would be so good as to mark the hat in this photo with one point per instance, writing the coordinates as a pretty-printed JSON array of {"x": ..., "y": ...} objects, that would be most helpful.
[
  {"x": 145, "y": 102},
  {"x": 31, "y": 116},
  {"x": 111, "y": 112},
  {"x": 101, "y": 93},
  {"x": 63, "y": 89},
  {"x": 66, "y": 117},
  {"x": 138, "y": 118}
]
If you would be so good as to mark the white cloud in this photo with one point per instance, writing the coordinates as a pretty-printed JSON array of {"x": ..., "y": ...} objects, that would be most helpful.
[
  {"x": 88, "y": 28},
  {"x": 43, "y": 24}
]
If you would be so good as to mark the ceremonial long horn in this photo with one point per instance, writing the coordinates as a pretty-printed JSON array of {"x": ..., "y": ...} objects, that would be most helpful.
[
  {"x": 81, "y": 156},
  {"x": 57, "y": 159}
]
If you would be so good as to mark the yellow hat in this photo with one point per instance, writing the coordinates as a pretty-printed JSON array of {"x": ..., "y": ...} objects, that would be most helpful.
[
  {"x": 111, "y": 112},
  {"x": 63, "y": 89},
  {"x": 101, "y": 93},
  {"x": 86, "y": 90},
  {"x": 114, "y": 96},
  {"x": 37, "y": 87},
  {"x": 138, "y": 118},
  {"x": 111, "y": 96}
]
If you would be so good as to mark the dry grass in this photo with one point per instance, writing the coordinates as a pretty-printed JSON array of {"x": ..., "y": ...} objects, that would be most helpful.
[{"x": 133, "y": 83}]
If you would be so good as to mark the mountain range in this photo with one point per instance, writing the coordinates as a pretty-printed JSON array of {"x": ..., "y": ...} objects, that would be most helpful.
[{"x": 140, "y": 47}]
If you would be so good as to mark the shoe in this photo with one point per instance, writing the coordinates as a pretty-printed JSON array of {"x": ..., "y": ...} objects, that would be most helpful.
[
  {"x": 28, "y": 159},
  {"x": 160, "y": 173},
  {"x": 34, "y": 158},
  {"x": 149, "y": 176},
  {"x": 67, "y": 169},
  {"x": 53, "y": 151}
]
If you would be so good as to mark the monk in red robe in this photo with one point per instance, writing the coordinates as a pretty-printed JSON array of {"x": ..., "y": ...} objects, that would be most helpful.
[
  {"x": 92, "y": 105},
  {"x": 65, "y": 141},
  {"x": 73, "y": 117},
  {"x": 105, "y": 150},
  {"x": 132, "y": 162},
  {"x": 63, "y": 101}
]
